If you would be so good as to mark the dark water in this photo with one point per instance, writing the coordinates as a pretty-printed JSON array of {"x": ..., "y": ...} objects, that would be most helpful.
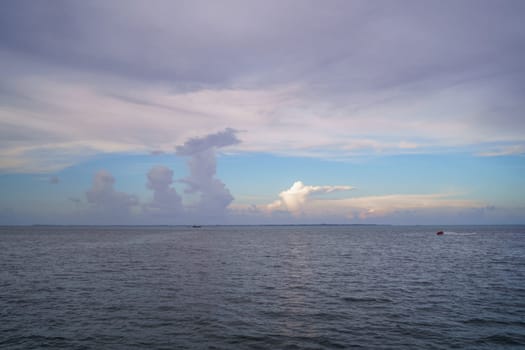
[{"x": 311, "y": 287}]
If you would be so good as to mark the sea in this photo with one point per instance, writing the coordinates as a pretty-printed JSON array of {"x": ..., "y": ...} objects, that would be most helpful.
[{"x": 262, "y": 287}]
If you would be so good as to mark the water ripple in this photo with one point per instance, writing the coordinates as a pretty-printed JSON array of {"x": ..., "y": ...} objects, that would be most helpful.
[{"x": 289, "y": 287}]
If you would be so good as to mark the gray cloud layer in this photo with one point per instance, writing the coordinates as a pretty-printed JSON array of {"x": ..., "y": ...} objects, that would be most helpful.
[
  {"x": 378, "y": 44},
  {"x": 317, "y": 79}
]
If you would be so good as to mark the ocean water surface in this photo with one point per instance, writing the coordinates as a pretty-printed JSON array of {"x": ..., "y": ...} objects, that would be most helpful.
[{"x": 262, "y": 287}]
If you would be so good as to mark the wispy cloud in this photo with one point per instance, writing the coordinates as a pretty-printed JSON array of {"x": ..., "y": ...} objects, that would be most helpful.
[
  {"x": 383, "y": 206},
  {"x": 80, "y": 122},
  {"x": 504, "y": 151}
]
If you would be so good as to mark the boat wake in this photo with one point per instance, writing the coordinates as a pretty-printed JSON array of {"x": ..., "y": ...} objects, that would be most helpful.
[{"x": 452, "y": 233}]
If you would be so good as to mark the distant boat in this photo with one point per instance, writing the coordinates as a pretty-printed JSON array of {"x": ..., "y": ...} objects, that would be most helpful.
[
  {"x": 440, "y": 233},
  {"x": 196, "y": 226}
]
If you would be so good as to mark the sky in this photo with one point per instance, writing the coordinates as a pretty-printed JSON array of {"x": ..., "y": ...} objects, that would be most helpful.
[{"x": 262, "y": 112}]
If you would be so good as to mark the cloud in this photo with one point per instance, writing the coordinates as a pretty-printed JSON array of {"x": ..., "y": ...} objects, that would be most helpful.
[
  {"x": 167, "y": 205},
  {"x": 296, "y": 196},
  {"x": 504, "y": 151},
  {"x": 389, "y": 205},
  {"x": 372, "y": 79},
  {"x": 202, "y": 144},
  {"x": 300, "y": 201},
  {"x": 214, "y": 196},
  {"x": 76, "y": 201},
  {"x": 166, "y": 201},
  {"x": 102, "y": 196},
  {"x": 52, "y": 157},
  {"x": 54, "y": 180},
  {"x": 391, "y": 44}
]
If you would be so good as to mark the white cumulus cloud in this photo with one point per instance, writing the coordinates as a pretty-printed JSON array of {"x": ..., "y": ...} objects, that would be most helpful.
[{"x": 294, "y": 198}]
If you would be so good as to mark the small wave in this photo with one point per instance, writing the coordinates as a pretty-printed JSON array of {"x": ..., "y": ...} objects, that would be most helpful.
[
  {"x": 504, "y": 339},
  {"x": 492, "y": 322},
  {"x": 366, "y": 300}
]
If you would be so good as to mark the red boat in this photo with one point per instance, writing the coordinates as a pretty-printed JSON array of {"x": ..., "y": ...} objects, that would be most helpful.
[{"x": 439, "y": 233}]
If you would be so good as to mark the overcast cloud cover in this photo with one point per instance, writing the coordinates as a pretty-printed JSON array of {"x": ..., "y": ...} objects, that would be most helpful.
[{"x": 333, "y": 80}]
